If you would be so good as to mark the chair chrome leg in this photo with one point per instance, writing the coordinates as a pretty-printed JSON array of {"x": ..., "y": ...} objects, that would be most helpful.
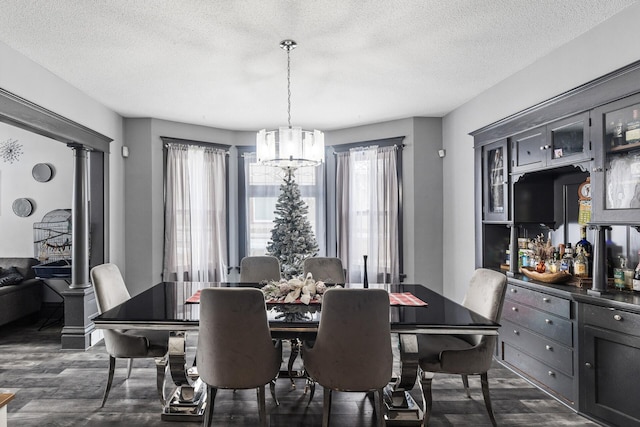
[
  {"x": 161, "y": 369},
  {"x": 129, "y": 367},
  {"x": 295, "y": 351},
  {"x": 326, "y": 407},
  {"x": 262, "y": 407},
  {"x": 484, "y": 380},
  {"x": 311, "y": 385},
  {"x": 378, "y": 398},
  {"x": 112, "y": 368},
  {"x": 208, "y": 411},
  {"x": 465, "y": 382},
  {"x": 425, "y": 385},
  {"x": 272, "y": 389}
]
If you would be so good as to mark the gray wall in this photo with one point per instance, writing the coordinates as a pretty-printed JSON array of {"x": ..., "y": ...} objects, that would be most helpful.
[
  {"x": 609, "y": 46},
  {"x": 29, "y": 80},
  {"x": 145, "y": 205}
]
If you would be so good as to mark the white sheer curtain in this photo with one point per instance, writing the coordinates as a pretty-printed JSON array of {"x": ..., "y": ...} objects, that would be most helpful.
[
  {"x": 367, "y": 213},
  {"x": 195, "y": 243}
]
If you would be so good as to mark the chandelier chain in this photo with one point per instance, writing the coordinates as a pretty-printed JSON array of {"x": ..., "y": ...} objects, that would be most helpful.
[{"x": 289, "y": 86}]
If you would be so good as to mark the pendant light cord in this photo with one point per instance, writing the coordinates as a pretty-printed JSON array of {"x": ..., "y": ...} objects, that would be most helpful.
[{"x": 289, "y": 85}]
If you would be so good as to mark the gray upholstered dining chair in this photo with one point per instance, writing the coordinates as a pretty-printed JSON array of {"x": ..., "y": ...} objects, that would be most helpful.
[
  {"x": 352, "y": 351},
  {"x": 235, "y": 349},
  {"x": 327, "y": 269},
  {"x": 111, "y": 291},
  {"x": 255, "y": 269},
  {"x": 465, "y": 354}
]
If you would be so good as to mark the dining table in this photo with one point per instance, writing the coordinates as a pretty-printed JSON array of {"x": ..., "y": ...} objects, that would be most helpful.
[{"x": 173, "y": 306}]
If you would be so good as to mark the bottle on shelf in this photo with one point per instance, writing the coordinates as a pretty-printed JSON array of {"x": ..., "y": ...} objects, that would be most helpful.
[
  {"x": 618, "y": 273},
  {"x": 632, "y": 134},
  {"x": 580, "y": 264},
  {"x": 586, "y": 247},
  {"x": 618, "y": 128},
  {"x": 566, "y": 263},
  {"x": 636, "y": 276}
]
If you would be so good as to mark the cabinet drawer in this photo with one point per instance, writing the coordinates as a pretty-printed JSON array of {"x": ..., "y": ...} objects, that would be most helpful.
[
  {"x": 546, "y": 324},
  {"x": 610, "y": 318},
  {"x": 551, "y": 378},
  {"x": 550, "y": 303},
  {"x": 552, "y": 353}
]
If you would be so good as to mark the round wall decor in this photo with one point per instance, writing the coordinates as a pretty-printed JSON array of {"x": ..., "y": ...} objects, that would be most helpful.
[
  {"x": 22, "y": 207},
  {"x": 42, "y": 172}
]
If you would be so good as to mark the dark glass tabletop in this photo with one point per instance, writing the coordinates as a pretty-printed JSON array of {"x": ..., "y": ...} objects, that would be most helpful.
[{"x": 164, "y": 307}]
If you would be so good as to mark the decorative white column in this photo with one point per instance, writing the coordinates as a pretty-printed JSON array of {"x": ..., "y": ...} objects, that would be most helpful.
[{"x": 80, "y": 219}]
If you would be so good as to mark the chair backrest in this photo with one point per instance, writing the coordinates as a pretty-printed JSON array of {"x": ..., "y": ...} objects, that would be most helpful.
[
  {"x": 485, "y": 296},
  {"x": 327, "y": 269},
  {"x": 109, "y": 286},
  {"x": 354, "y": 339},
  {"x": 235, "y": 349},
  {"x": 255, "y": 269}
]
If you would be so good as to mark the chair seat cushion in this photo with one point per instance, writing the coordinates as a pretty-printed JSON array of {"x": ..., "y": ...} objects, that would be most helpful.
[
  {"x": 430, "y": 347},
  {"x": 455, "y": 354},
  {"x": 136, "y": 343}
]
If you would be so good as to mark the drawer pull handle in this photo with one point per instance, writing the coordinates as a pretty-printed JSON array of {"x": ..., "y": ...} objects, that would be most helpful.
[
  {"x": 514, "y": 290},
  {"x": 552, "y": 374},
  {"x": 587, "y": 365},
  {"x": 617, "y": 317},
  {"x": 546, "y": 299},
  {"x": 514, "y": 308},
  {"x": 515, "y": 331},
  {"x": 548, "y": 321},
  {"x": 548, "y": 347}
]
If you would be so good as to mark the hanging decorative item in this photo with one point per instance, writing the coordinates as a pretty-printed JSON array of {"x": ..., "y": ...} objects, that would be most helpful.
[
  {"x": 22, "y": 207},
  {"x": 42, "y": 172},
  {"x": 10, "y": 150}
]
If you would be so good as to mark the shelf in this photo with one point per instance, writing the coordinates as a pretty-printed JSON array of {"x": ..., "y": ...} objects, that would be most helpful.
[{"x": 623, "y": 148}]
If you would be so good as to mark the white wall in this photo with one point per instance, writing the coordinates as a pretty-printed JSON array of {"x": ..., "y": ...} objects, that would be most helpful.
[
  {"x": 25, "y": 78},
  {"x": 16, "y": 181},
  {"x": 611, "y": 45}
]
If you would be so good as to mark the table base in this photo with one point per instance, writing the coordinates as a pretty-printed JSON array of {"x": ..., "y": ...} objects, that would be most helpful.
[{"x": 187, "y": 403}]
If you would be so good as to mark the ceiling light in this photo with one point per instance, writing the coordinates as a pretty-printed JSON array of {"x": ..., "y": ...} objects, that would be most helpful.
[{"x": 289, "y": 146}]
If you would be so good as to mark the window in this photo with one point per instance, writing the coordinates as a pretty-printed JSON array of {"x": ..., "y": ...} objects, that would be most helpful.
[
  {"x": 259, "y": 188},
  {"x": 195, "y": 212}
]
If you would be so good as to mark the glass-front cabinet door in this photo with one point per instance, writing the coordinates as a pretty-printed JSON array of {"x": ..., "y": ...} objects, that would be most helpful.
[
  {"x": 568, "y": 140},
  {"x": 616, "y": 174},
  {"x": 496, "y": 181}
]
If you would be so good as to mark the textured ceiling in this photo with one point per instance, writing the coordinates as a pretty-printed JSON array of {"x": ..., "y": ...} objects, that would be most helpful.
[{"x": 218, "y": 63}]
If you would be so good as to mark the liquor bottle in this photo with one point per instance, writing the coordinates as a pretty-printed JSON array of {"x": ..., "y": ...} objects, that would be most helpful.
[
  {"x": 580, "y": 264},
  {"x": 636, "y": 276},
  {"x": 566, "y": 263},
  {"x": 618, "y": 273},
  {"x": 586, "y": 247},
  {"x": 632, "y": 135}
]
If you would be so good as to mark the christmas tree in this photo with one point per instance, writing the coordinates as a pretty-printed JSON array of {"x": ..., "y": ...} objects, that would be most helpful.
[{"x": 292, "y": 239}]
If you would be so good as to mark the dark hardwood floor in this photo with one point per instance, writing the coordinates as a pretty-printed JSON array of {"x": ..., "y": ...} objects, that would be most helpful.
[{"x": 64, "y": 388}]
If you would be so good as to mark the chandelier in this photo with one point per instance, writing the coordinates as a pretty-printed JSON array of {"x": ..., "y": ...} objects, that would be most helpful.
[{"x": 289, "y": 146}]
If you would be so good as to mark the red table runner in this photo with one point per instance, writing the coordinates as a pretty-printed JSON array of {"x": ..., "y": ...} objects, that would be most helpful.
[{"x": 406, "y": 298}]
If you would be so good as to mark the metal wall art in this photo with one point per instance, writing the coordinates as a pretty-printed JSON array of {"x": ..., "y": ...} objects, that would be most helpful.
[
  {"x": 42, "y": 172},
  {"x": 22, "y": 207},
  {"x": 10, "y": 150}
]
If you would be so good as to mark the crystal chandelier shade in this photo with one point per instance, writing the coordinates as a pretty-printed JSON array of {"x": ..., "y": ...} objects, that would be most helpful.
[{"x": 289, "y": 146}]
